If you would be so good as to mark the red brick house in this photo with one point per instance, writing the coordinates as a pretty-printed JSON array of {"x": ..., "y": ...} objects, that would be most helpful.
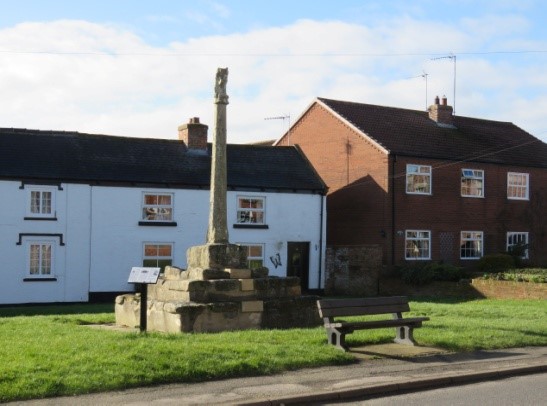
[{"x": 426, "y": 185}]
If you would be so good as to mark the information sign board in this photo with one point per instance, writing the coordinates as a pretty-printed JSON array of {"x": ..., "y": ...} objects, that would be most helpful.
[{"x": 144, "y": 275}]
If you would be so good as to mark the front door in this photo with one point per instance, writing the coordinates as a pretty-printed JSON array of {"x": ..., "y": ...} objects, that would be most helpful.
[{"x": 298, "y": 262}]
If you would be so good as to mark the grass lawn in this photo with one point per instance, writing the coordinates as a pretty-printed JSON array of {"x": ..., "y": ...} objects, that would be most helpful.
[{"x": 49, "y": 351}]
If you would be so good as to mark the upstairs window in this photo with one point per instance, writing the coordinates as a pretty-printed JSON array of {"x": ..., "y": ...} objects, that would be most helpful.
[
  {"x": 472, "y": 183},
  {"x": 418, "y": 179},
  {"x": 471, "y": 244},
  {"x": 517, "y": 186},
  {"x": 255, "y": 256},
  {"x": 41, "y": 202},
  {"x": 417, "y": 244},
  {"x": 157, "y": 207},
  {"x": 251, "y": 210},
  {"x": 518, "y": 243},
  {"x": 157, "y": 255}
]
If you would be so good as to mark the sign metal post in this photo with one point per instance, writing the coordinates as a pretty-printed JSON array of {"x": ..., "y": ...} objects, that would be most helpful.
[{"x": 143, "y": 277}]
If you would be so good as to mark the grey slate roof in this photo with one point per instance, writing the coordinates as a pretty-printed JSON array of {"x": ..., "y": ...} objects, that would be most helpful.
[
  {"x": 412, "y": 133},
  {"x": 58, "y": 156}
]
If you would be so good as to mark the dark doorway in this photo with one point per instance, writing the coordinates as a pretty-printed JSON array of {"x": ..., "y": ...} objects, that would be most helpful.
[{"x": 298, "y": 262}]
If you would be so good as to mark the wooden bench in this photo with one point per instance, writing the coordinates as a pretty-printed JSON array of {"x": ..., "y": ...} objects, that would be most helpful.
[{"x": 330, "y": 309}]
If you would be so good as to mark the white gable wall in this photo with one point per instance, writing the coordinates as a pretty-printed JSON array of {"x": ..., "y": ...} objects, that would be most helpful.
[{"x": 70, "y": 279}]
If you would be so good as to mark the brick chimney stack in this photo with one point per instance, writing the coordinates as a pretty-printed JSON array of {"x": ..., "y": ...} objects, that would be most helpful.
[
  {"x": 194, "y": 134},
  {"x": 441, "y": 113}
]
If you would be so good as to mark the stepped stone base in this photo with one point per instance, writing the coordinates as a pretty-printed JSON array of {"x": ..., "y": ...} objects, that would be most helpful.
[
  {"x": 217, "y": 293},
  {"x": 185, "y": 317}
]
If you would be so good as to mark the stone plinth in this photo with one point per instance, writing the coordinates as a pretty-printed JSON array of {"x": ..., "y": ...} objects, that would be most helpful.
[
  {"x": 216, "y": 256},
  {"x": 178, "y": 303},
  {"x": 185, "y": 317}
]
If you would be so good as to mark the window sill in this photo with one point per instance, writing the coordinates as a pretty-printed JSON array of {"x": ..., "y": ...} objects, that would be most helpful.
[
  {"x": 41, "y": 218},
  {"x": 158, "y": 223},
  {"x": 252, "y": 226},
  {"x": 40, "y": 280}
]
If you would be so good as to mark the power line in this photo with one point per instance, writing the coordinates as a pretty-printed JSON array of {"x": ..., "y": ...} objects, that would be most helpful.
[{"x": 434, "y": 55}]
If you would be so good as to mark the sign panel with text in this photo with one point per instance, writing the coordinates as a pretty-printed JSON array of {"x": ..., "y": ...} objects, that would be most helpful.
[{"x": 144, "y": 275}]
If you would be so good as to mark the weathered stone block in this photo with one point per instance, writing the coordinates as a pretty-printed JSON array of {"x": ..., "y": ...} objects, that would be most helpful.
[
  {"x": 236, "y": 273},
  {"x": 217, "y": 256},
  {"x": 174, "y": 273},
  {"x": 261, "y": 272},
  {"x": 291, "y": 312},
  {"x": 207, "y": 274},
  {"x": 127, "y": 310},
  {"x": 246, "y": 284},
  {"x": 273, "y": 287},
  {"x": 252, "y": 306}
]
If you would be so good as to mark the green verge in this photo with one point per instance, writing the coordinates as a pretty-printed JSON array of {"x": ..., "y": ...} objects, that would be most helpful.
[{"x": 51, "y": 351}]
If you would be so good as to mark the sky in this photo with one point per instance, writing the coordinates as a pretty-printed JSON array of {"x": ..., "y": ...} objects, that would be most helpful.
[{"x": 142, "y": 68}]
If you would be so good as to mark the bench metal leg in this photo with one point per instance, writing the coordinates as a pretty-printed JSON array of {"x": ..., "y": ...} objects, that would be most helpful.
[
  {"x": 405, "y": 335},
  {"x": 337, "y": 338}
]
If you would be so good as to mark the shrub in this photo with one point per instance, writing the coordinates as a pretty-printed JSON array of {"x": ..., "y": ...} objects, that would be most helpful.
[
  {"x": 446, "y": 272},
  {"x": 496, "y": 263},
  {"x": 422, "y": 274},
  {"x": 532, "y": 275},
  {"x": 416, "y": 274}
]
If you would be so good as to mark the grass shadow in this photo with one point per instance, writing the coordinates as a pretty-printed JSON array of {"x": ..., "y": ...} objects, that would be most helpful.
[{"x": 57, "y": 309}]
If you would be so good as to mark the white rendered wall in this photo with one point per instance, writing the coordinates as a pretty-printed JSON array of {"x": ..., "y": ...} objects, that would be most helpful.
[
  {"x": 117, "y": 239},
  {"x": 70, "y": 273},
  {"x": 103, "y": 239}
]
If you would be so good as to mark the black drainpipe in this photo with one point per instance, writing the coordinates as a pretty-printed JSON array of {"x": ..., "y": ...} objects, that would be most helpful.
[
  {"x": 321, "y": 241},
  {"x": 393, "y": 231}
]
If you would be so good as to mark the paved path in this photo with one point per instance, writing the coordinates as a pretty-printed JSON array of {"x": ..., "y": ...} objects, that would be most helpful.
[{"x": 400, "y": 368}]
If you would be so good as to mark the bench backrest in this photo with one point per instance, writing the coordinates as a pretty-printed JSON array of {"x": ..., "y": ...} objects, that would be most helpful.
[{"x": 364, "y": 306}]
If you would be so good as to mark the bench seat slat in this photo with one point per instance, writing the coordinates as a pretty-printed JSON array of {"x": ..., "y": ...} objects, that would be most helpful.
[{"x": 362, "y": 325}]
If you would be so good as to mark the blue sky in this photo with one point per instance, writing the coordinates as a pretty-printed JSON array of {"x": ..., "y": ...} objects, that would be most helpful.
[{"x": 141, "y": 68}]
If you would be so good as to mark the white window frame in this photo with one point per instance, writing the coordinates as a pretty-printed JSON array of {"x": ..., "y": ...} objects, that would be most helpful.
[
  {"x": 512, "y": 187},
  {"x": 471, "y": 175},
  {"x": 250, "y": 257},
  {"x": 40, "y": 244},
  {"x": 413, "y": 245},
  {"x": 251, "y": 215},
  {"x": 157, "y": 212},
  {"x": 40, "y": 211},
  {"x": 516, "y": 237},
  {"x": 412, "y": 172},
  {"x": 471, "y": 237},
  {"x": 158, "y": 257}
]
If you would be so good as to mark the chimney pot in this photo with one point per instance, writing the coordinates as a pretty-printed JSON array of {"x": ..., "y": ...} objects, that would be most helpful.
[
  {"x": 441, "y": 113},
  {"x": 194, "y": 134}
]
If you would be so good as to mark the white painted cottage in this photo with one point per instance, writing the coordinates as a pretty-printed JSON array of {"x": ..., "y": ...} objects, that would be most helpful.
[{"x": 77, "y": 211}]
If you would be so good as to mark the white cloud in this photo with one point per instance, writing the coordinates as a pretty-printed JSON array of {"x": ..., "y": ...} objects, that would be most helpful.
[{"x": 112, "y": 82}]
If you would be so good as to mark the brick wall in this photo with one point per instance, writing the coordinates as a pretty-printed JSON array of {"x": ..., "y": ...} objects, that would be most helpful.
[
  {"x": 356, "y": 172},
  {"x": 361, "y": 175},
  {"x": 445, "y": 213},
  {"x": 510, "y": 290},
  {"x": 477, "y": 289}
]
